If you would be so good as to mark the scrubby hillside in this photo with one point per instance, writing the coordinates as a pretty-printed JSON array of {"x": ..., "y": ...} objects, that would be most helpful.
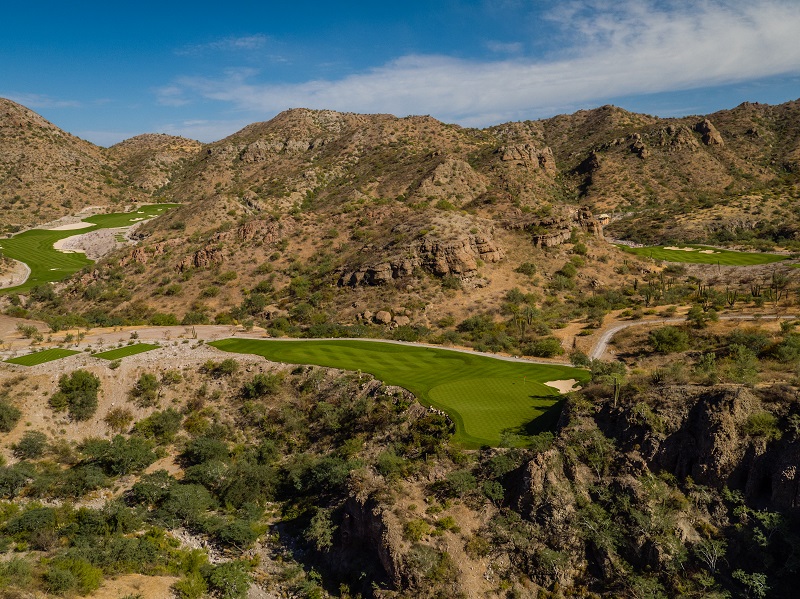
[{"x": 46, "y": 173}]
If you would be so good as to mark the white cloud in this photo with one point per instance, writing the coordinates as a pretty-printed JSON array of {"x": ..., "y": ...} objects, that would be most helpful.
[
  {"x": 615, "y": 49},
  {"x": 505, "y": 47}
]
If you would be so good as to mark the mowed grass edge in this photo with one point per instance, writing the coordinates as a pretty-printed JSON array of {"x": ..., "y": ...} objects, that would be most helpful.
[
  {"x": 40, "y": 357},
  {"x": 484, "y": 396},
  {"x": 48, "y": 265},
  {"x": 720, "y": 256},
  {"x": 124, "y": 352}
]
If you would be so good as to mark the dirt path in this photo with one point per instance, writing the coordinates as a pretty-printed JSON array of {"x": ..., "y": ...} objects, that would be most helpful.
[
  {"x": 601, "y": 345},
  {"x": 17, "y": 275}
]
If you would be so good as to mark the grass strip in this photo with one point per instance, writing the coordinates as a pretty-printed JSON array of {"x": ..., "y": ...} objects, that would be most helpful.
[
  {"x": 48, "y": 265},
  {"x": 124, "y": 352},
  {"x": 696, "y": 255},
  {"x": 40, "y": 357},
  {"x": 484, "y": 396}
]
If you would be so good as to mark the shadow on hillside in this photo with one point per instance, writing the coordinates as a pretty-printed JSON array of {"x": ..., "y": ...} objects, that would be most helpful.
[{"x": 546, "y": 422}]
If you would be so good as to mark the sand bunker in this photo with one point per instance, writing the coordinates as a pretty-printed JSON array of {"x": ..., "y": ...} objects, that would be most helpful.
[
  {"x": 564, "y": 386},
  {"x": 674, "y": 249},
  {"x": 67, "y": 246},
  {"x": 71, "y": 226},
  {"x": 708, "y": 252}
]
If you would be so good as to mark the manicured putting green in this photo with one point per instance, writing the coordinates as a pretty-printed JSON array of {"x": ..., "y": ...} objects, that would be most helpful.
[
  {"x": 124, "y": 352},
  {"x": 484, "y": 396},
  {"x": 701, "y": 254},
  {"x": 40, "y": 357},
  {"x": 48, "y": 265}
]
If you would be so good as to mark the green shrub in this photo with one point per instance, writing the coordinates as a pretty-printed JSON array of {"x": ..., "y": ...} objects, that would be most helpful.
[
  {"x": 762, "y": 424},
  {"x": 161, "y": 426},
  {"x": 31, "y": 446},
  {"x": 416, "y": 529},
  {"x": 228, "y": 580},
  {"x": 544, "y": 348},
  {"x": 78, "y": 394},
  {"x": 9, "y": 416},
  {"x": 145, "y": 391},
  {"x": 669, "y": 339},
  {"x": 261, "y": 385}
]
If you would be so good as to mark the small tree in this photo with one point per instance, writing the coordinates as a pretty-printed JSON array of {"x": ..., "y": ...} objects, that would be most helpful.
[
  {"x": 78, "y": 394},
  {"x": 31, "y": 446}
]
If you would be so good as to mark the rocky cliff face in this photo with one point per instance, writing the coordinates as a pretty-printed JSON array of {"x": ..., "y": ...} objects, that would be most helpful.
[{"x": 701, "y": 433}]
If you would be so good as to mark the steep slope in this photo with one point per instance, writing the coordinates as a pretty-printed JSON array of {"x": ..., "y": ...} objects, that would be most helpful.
[
  {"x": 46, "y": 172},
  {"x": 150, "y": 160}
]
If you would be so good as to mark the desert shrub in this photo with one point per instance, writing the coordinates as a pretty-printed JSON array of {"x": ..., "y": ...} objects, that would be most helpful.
[
  {"x": 120, "y": 456},
  {"x": 228, "y": 580},
  {"x": 544, "y": 348},
  {"x": 261, "y": 385},
  {"x": 416, "y": 529},
  {"x": 762, "y": 424},
  {"x": 666, "y": 340},
  {"x": 9, "y": 416},
  {"x": 161, "y": 426},
  {"x": 77, "y": 393},
  {"x": 145, "y": 391},
  {"x": 164, "y": 320},
  {"x": 458, "y": 483},
  {"x": 31, "y": 446},
  {"x": 118, "y": 419},
  {"x": 320, "y": 530},
  {"x": 526, "y": 268},
  {"x": 204, "y": 449}
]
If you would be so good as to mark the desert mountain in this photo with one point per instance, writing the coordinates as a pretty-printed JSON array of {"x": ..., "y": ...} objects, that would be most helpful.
[{"x": 391, "y": 208}]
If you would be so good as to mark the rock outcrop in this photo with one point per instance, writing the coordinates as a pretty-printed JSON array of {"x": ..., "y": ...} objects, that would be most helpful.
[
  {"x": 700, "y": 432},
  {"x": 711, "y": 137},
  {"x": 530, "y": 156},
  {"x": 441, "y": 257}
]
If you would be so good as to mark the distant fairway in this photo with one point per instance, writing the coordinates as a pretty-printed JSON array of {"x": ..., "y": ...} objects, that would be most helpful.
[
  {"x": 48, "y": 265},
  {"x": 124, "y": 352},
  {"x": 701, "y": 254},
  {"x": 40, "y": 357},
  {"x": 484, "y": 396}
]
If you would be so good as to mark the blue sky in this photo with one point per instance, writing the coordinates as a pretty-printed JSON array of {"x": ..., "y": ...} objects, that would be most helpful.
[{"x": 106, "y": 72}]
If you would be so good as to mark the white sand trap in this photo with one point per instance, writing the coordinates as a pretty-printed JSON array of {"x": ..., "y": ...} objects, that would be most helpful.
[
  {"x": 564, "y": 386},
  {"x": 71, "y": 226},
  {"x": 133, "y": 220},
  {"x": 708, "y": 252},
  {"x": 140, "y": 212},
  {"x": 59, "y": 245}
]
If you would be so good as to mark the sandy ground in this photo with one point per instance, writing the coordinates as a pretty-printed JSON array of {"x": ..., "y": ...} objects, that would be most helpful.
[
  {"x": 17, "y": 275},
  {"x": 563, "y": 386},
  {"x": 71, "y": 226},
  {"x": 94, "y": 244}
]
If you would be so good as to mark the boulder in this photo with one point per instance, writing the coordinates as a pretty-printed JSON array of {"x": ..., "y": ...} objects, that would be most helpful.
[
  {"x": 383, "y": 317},
  {"x": 402, "y": 321},
  {"x": 711, "y": 136}
]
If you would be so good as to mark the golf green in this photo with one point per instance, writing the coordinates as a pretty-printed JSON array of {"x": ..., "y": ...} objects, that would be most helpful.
[
  {"x": 701, "y": 254},
  {"x": 484, "y": 396},
  {"x": 124, "y": 352},
  {"x": 40, "y": 357},
  {"x": 48, "y": 265}
]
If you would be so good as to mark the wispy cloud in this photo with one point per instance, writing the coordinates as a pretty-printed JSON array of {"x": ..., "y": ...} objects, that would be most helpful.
[
  {"x": 616, "y": 49},
  {"x": 40, "y": 101},
  {"x": 226, "y": 44},
  {"x": 505, "y": 47}
]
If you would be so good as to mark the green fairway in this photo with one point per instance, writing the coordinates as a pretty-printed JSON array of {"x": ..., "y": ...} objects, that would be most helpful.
[
  {"x": 128, "y": 350},
  {"x": 700, "y": 254},
  {"x": 484, "y": 396},
  {"x": 40, "y": 357},
  {"x": 48, "y": 265}
]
